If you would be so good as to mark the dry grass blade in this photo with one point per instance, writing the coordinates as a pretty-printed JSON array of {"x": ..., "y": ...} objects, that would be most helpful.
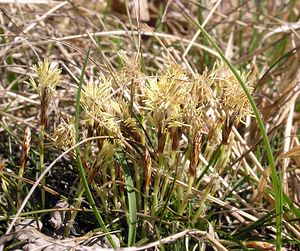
[{"x": 294, "y": 152}]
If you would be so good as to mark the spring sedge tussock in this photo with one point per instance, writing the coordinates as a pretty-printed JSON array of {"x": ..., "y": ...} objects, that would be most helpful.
[
  {"x": 165, "y": 146},
  {"x": 154, "y": 115}
]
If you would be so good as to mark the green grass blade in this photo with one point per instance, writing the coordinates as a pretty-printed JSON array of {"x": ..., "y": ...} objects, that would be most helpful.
[
  {"x": 259, "y": 224},
  {"x": 213, "y": 160},
  {"x": 131, "y": 202},
  {"x": 276, "y": 179},
  {"x": 79, "y": 163},
  {"x": 291, "y": 205}
]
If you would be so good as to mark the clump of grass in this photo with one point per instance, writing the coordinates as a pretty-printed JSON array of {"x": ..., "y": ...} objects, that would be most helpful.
[
  {"x": 151, "y": 139},
  {"x": 167, "y": 152},
  {"x": 159, "y": 129}
]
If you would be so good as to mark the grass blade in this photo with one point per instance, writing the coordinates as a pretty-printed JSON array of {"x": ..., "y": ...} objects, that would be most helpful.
[{"x": 131, "y": 202}]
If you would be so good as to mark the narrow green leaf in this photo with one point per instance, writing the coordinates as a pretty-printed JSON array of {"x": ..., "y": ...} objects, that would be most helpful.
[{"x": 131, "y": 202}]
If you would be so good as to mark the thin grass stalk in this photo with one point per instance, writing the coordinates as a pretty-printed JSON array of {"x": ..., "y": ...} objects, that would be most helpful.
[
  {"x": 219, "y": 167},
  {"x": 203, "y": 199},
  {"x": 225, "y": 157},
  {"x": 50, "y": 210},
  {"x": 87, "y": 147},
  {"x": 42, "y": 166},
  {"x": 147, "y": 173},
  {"x": 101, "y": 195},
  {"x": 167, "y": 169},
  {"x": 146, "y": 201},
  {"x": 180, "y": 191},
  {"x": 167, "y": 188},
  {"x": 209, "y": 151},
  {"x": 276, "y": 178},
  {"x": 77, "y": 204},
  {"x": 6, "y": 191},
  {"x": 169, "y": 195},
  {"x": 161, "y": 144},
  {"x": 144, "y": 226},
  {"x": 79, "y": 162},
  {"x": 132, "y": 209},
  {"x": 157, "y": 181},
  {"x": 104, "y": 180},
  {"x": 223, "y": 154},
  {"x": 131, "y": 24},
  {"x": 186, "y": 195},
  {"x": 165, "y": 182},
  {"x": 114, "y": 186},
  {"x": 138, "y": 186},
  {"x": 161, "y": 247},
  {"x": 212, "y": 161},
  {"x": 164, "y": 187},
  {"x": 194, "y": 157},
  {"x": 45, "y": 96}
]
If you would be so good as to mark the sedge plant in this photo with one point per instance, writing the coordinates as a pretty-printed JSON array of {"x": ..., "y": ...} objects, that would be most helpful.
[{"x": 45, "y": 82}]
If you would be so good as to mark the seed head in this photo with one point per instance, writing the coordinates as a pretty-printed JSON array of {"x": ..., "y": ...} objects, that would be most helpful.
[
  {"x": 233, "y": 99},
  {"x": 200, "y": 98},
  {"x": 97, "y": 100},
  {"x": 165, "y": 96},
  {"x": 64, "y": 134},
  {"x": 25, "y": 146},
  {"x": 48, "y": 75}
]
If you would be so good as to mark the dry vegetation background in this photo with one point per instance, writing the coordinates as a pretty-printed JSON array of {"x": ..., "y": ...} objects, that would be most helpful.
[{"x": 168, "y": 114}]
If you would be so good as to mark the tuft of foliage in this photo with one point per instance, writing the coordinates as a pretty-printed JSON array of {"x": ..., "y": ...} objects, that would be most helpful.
[{"x": 150, "y": 137}]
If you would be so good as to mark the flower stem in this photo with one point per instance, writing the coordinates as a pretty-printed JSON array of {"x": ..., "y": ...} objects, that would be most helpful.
[
  {"x": 77, "y": 204},
  {"x": 42, "y": 165}
]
